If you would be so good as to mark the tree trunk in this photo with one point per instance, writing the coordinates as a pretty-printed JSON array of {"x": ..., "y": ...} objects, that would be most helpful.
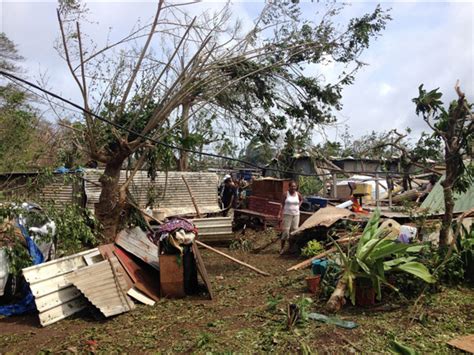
[
  {"x": 447, "y": 217},
  {"x": 452, "y": 166},
  {"x": 110, "y": 206},
  {"x": 183, "y": 162},
  {"x": 337, "y": 299}
]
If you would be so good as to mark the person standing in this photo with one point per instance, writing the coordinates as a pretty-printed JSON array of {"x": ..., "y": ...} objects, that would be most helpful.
[
  {"x": 291, "y": 202},
  {"x": 229, "y": 196}
]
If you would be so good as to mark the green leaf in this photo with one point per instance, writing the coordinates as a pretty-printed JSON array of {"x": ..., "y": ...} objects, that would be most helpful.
[
  {"x": 394, "y": 262},
  {"x": 417, "y": 269},
  {"x": 399, "y": 348},
  {"x": 388, "y": 248},
  {"x": 415, "y": 248}
]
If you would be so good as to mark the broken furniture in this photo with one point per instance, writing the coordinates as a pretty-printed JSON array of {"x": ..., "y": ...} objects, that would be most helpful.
[
  {"x": 268, "y": 212},
  {"x": 270, "y": 188}
]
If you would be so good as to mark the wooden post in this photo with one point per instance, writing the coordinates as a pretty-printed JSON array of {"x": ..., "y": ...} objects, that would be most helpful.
[
  {"x": 377, "y": 190},
  {"x": 192, "y": 196},
  {"x": 334, "y": 186}
]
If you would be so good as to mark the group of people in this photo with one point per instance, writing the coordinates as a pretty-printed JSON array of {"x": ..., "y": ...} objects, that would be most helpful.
[
  {"x": 231, "y": 192},
  {"x": 291, "y": 202}
]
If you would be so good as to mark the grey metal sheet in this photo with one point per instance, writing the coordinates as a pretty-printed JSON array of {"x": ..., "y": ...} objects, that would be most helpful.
[
  {"x": 137, "y": 243},
  {"x": 104, "y": 287},
  {"x": 55, "y": 297},
  {"x": 214, "y": 229},
  {"x": 174, "y": 200}
]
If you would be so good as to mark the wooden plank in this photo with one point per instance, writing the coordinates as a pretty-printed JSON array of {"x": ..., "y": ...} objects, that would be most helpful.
[
  {"x": 308, "y": 262},
  {"x": 145, "y": 279},
  {"x": 62, "y": 311},
  {"x": 202, "y": 270},
  {"x": 232, "y": 258},
  {"x": 136, "y": 294},
  {"x": 137, "y": 243},
  {"x": 465, "y": 343}
]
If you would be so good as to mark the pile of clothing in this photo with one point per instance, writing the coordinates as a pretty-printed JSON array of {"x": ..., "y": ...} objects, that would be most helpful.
[{"x": 176, "y": 233}]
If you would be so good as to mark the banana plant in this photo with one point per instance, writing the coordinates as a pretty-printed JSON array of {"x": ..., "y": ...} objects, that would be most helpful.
[{"x": 376, "y": 254}]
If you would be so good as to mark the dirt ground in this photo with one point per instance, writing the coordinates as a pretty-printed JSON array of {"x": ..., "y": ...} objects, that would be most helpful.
[{"x": 248, "y": 316}]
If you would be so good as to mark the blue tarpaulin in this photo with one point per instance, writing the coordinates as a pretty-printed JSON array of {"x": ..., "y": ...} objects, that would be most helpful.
[{"x": 27, "y": 303}]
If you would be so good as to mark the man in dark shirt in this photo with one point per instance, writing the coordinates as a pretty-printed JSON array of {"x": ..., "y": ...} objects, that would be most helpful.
[{"x": 229, "y": 196}]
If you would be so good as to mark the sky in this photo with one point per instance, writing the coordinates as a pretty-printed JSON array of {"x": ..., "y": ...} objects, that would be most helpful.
[{"x": 426, "y": 42}]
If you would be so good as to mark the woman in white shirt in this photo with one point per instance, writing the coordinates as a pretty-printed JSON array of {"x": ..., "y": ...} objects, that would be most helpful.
[{"x": 291, "y": 202}]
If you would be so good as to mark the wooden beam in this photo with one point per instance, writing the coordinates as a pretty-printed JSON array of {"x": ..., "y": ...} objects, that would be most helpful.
[
  {"x": 192, "y": 196},
  {"x": 231, "y": 258}
]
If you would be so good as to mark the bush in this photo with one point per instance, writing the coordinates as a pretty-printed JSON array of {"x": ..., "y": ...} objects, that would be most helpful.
[
  {"x": 76, "y": 228},
  {"x": 312, "y": 248}
]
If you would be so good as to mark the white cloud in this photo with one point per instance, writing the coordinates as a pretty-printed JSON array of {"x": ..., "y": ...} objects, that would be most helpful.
[{"x": 386, "y": 89}]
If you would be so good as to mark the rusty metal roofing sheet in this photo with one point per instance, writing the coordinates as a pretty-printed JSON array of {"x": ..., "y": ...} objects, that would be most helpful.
[
  {"x": 104, "y": 286},
  {"x": 171, "y": 193},
  {"x": 55, "y": 297}
]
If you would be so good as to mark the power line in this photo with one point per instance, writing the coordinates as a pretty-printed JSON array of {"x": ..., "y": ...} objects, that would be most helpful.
[{"x": 12, "y": 78}]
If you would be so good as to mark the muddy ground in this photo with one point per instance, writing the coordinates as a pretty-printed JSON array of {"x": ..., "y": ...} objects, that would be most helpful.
[{"x": 248, "y": 316}]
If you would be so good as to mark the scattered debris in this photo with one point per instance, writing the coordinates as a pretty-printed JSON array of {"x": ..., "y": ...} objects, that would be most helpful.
[
  {"x": 55, "y": 296},
  {"x": 140, "y": 296},
  {"x": 465, "y": 343},
  {"x": 332, "y": 320},
  {"x": 325, "y": 217}
]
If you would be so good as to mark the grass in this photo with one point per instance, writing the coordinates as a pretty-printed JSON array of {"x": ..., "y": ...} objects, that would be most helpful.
[{"x": 248, "y": 316}]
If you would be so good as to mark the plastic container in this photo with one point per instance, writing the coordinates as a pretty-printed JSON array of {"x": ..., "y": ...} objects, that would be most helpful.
[
  {"x": 319, "y": 267},
  {"x": 317, "y": 200}
]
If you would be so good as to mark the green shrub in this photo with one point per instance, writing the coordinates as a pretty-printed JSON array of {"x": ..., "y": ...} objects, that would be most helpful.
[{"x": 312, "y": 248}]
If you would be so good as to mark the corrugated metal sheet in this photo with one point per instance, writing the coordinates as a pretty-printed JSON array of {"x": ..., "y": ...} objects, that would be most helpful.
[
  {"x": 55, "y": 297},
  {"x": 435, "y": 200},
  {"x": 60, "y": 191},
  {"x": 175, "y": 200},
  {"x": 137, "y": 243},
  {"x": 104, "y": 287},
  {"x": 216, "y": 229}
]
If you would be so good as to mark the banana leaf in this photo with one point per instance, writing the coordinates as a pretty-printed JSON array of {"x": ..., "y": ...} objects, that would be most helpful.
[
  {"x": 363, "y": 266},
  {"x": 417, "y": 269},
  {"x": 394, "y": 262},
  {"x": 369, "y": 230},
  {"x": 386, "y": 249},
  {"x": 415, "y": 248}
]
